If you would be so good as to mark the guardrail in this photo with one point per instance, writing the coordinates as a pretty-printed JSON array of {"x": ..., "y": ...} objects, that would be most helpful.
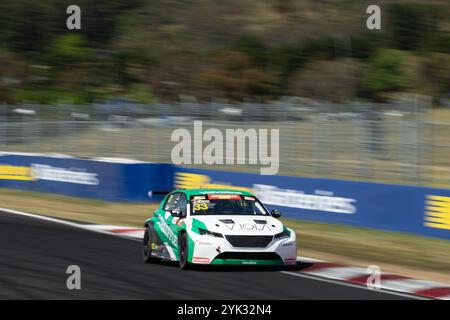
[{"x": 419, "y": 210}]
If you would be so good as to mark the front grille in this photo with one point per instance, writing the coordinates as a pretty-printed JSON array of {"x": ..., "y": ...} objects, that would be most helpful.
[
  {"x": 249, "y": 241},
  {"x": 249, "y": 255}
]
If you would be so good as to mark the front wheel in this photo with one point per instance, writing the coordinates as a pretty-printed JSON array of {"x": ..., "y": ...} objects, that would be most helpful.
[
  {"x": 147, "y": 243},
  {"x": 183, "y": 251}
]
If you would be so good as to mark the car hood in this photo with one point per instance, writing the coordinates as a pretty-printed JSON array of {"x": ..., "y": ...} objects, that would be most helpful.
[{"x": 241, "y": 225}]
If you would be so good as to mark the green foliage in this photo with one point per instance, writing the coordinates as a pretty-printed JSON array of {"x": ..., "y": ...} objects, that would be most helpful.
[
  {"x": 435, "y": 75},
  {"x": 233, "y": 76},
  {"x": 51, "y": 96},
  {"x": 70, "y": 48},
  {"x": 410, "y": 23},
  {"x": 291, "y": 57},
  {"x": 146, "y": 50},
  {"x": 319, "y": 48},
  {"x": 331, "y": 80},
  {"x": 364, "y": 46},
  {"x": 386, "y": 71},
  {"x": 254, "y": 47},
  {"x": 27, "y": 25},
  {"x": 437, "y": 42}
]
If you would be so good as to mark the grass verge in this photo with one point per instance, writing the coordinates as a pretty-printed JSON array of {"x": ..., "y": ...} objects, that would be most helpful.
[{"x": 401, "y": 253}]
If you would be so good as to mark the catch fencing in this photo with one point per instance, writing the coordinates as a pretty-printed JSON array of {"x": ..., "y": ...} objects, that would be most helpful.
[{"x": 401, "y": 143}]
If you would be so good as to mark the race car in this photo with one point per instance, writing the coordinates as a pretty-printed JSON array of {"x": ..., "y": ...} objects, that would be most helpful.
[{"x": 217, "y": 227}]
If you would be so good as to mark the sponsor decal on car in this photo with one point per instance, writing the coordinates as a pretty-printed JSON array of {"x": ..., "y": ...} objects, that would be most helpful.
[
  {"x": 201, "y": 260},
  {"x": 201, "y": 206},
  {"x": 203, "y": 243},
  {"x": 290, "y": 261},
  {"x": 247, "y": 226},
  {"x": 224, "y": 197},
  {"x": 167, "y": 231}
]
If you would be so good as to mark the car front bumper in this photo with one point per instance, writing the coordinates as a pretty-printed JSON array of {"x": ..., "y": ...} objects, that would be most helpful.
[{"x": 219, "y": 251}]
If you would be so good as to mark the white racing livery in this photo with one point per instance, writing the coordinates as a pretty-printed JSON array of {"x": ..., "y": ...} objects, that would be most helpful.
[{"x": 218, "y": 227}]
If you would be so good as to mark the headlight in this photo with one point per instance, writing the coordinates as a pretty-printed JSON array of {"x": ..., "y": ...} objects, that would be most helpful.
[
  {"x": 210, "y": 233},
  {"x": 283, "y": 234}
]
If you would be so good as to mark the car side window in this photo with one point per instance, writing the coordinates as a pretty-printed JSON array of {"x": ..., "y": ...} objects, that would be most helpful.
[
  {"x": 182, "y": 204},
  {"x": 168, "y": 206}
]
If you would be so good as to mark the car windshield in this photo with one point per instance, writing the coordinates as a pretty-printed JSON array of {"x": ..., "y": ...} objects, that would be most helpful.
[{"x": 226, "y": 204}]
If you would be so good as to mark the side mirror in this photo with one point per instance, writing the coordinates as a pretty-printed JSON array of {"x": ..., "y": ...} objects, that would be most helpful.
[
  {"x": 176, "y": 213},
  {"x": 275, "y": 213}
]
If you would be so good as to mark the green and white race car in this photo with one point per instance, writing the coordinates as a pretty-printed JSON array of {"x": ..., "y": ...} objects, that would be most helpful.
[{"x": 217, "y": 227}]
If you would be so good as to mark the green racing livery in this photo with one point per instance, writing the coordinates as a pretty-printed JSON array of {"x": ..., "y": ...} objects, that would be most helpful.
[{"x": 217, "y": 227}]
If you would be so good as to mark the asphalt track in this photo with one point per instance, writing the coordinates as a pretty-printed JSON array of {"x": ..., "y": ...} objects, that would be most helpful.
[{"x": 35, "y": 254}]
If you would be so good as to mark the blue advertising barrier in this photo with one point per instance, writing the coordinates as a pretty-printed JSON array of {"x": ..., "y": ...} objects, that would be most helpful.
[
  {"x": 424, "y": 211},
  {"x": 419, "y": 210},
  {"x": 96, "y": 179}
]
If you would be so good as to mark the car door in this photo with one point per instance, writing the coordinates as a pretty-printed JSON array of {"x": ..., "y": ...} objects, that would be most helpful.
[
  {"x": 180, "y": 203},
  {"x": 166, "y": 233}
]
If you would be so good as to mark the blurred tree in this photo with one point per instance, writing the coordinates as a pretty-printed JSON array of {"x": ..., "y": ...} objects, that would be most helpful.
[
  {"x": 386, "y": 72},
  {"x": 236, "y": 49},
  {"x": 232, "y": 76},
  {"x": 331, "y": 80},
  {"x": 70, "y": 49},
  {"x": 364, "y": 45},
  {"x": 28, "y": 26},
  {"x": 437, "y": 42},
  {"x": 435, "y": 75},
  {"x": 409, "y": 23},
  {"x": 12, "y": 74},
  {"x": 254, "y": 47}
]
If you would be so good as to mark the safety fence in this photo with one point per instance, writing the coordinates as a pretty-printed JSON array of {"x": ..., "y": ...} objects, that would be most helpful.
[{"x": 403, "y": 143}]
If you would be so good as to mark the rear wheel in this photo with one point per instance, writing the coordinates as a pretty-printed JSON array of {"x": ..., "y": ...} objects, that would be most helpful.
[
  {"x": 183, "y": 251},
  {"x": 147, "y": 246}
]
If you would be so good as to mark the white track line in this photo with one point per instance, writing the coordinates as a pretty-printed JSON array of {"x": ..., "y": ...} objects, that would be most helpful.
[
  {"x": 88, "y": 227},
  {"x": 348, "y": 284},
  {"x": 96, "y": 228},
  {"x": 338, "y": 273}
]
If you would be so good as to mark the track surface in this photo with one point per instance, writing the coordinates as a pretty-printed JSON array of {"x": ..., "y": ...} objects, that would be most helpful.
[{"x": 34, "y": 256}]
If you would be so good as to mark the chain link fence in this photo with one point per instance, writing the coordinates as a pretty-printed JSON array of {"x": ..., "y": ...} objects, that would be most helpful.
[{"x": 394, "y": 143}]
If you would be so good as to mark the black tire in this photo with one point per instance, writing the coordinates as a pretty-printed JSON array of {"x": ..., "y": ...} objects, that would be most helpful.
[
  {"x": 183, "y": 251},
  {"x": 146, "y": 246}
]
